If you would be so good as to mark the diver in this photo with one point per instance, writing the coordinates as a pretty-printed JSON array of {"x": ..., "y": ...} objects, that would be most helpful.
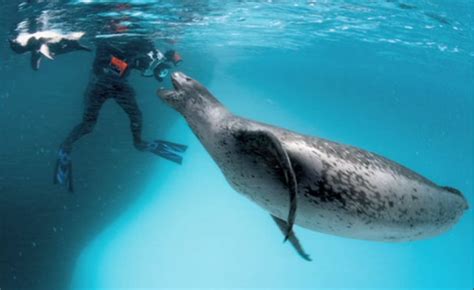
[{"x": 114, "y": 60}]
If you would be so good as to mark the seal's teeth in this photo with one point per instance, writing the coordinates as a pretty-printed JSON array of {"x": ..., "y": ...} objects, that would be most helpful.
[
  {"x": 175, "y": 84},
  {"x": 160, "y": 92},
  {"x": 163, "y": 93}
]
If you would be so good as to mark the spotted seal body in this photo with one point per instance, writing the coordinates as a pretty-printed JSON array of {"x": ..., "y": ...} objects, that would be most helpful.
[{"x": 340, "y": 189}]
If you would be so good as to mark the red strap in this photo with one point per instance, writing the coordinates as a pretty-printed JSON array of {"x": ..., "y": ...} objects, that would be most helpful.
[{"x": 119, "y": 64}]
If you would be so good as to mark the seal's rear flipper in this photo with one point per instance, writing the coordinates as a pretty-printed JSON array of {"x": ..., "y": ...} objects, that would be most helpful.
[
  {"x": 292, "y": 238},
  {"x": 35, "y": 60},
  {"x": 263, "y": 144}
]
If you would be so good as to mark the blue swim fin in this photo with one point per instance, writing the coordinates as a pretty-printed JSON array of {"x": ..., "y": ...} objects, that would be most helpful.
[
  {"x": 167, "y": 150},
  {"x": 63, "y": 170}
]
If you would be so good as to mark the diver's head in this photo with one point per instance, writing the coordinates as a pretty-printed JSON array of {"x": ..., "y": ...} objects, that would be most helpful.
[{"x": 188, "y": 94}]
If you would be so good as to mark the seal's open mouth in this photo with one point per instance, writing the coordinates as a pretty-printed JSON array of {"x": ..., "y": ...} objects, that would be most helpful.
[
  {"x": 174, "y": 82},
  {"x": 166, "y": 93},
  {"x": 178, "y": 79}
]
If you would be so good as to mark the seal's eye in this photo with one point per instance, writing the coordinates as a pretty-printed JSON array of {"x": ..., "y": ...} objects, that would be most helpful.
[{"x": 188, "y": 79}]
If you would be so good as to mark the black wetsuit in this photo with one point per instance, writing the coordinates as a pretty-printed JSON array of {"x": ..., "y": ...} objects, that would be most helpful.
[
  {"x": 106, "y": 83},
  {"x": 109, "y": 80}
]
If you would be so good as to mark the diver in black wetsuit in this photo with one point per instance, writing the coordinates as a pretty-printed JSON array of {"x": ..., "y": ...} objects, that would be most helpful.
[{"x": 112, "y": 65}]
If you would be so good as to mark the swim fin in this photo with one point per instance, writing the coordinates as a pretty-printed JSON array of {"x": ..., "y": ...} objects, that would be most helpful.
[
  {"x": 167, "y": 150},
  {"x": 63, "y": 170}
]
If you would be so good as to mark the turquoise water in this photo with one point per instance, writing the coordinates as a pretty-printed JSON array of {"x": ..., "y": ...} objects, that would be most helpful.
[{"x": 392, "y": 77}]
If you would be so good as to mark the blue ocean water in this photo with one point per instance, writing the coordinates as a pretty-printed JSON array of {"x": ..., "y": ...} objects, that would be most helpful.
[{"x": 392, "y": 77}]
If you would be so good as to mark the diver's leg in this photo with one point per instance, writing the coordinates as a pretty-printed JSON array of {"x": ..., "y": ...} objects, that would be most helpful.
[
  {"x": 126, "y": 99},
  {"x": 168, "y": 150},
  {"x": 63, "y": 171},
  {"x": 94, "y": 102}
]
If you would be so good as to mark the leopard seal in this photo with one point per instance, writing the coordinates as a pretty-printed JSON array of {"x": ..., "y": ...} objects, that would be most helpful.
[{"x": 312, "y": 182}]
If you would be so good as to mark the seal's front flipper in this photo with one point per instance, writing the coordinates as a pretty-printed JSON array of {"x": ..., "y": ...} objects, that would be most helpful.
[
  {"x": 167, "y": 150},
  {"x": 35, "y": 60},
  {"x": 63, "y": 170},
  {"x": 292, "y": 238},
  {"x": 263, "y": 144}
]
